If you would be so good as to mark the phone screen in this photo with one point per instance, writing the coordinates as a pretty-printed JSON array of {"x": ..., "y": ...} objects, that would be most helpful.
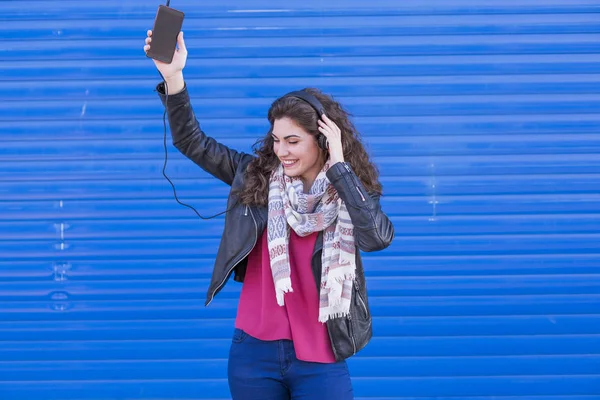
[{"x": 167, "y": 26}]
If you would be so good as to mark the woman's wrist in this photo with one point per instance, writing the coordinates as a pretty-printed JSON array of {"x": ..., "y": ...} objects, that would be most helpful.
[{"x": 175, "y": 83}]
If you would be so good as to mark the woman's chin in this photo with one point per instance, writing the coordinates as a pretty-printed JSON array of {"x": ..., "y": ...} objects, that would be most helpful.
[{"x": 291, "y": 171}]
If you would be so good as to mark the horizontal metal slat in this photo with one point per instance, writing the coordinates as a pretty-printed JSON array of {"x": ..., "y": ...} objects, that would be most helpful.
[
  {"x": 389, "y": 388},
  {"x": 433, "y": 166},
  {"x": 253, "y": 128},
  {"x": 262, "y": 8},
  {"x": 57, "y": 211},
  {"x": 101, "y": 390},
  {"x": 309, "y": 67},
  {"x": 95, "y": 154},
  {"x": 222, "y": 89},
  {"x": 375, "y": 389},
  {"x": 257, "y": 107},
  {"x": 379, "y": 347},
  {"x": 430, "y": 225},
  {"x": 405, "y": 246},
  {"x": 361, "y": 367},
  {"x": 394, "y": 186},
  {"x": 378, "y": 286},
  {"x": 324, "y": 25},
  {"x": 312, "y": 47},
  {"x": 223, "y": 307},
  {"x": 169, "y": 329},
  {"x": 375, "y": 265}
]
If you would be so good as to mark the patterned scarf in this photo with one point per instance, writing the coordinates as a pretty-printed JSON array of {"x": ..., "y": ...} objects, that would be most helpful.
[{"x": 319, "y": 210}]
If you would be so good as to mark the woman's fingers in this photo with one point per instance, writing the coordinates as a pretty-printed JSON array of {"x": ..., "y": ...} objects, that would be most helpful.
[
  {"x": 330, "y": 127},
  {"x": 324, "y": 126},
  {"x": 148, "y": 41},
  {"x": 331, "y": 124},
  {"x": 181, "y": 43}
]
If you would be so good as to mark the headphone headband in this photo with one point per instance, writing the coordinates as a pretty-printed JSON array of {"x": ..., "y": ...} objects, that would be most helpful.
[{"x": 310, "y": 99}]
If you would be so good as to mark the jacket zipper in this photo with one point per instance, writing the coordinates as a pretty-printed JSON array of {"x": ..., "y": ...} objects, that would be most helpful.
[
  {"x": 359, "y": 192},
  {"x": 351, "y": 331},
  {"x": 360, "y": 299},
  {"x": 238, "y": 261},
  {"x": 355, "y": 186}
]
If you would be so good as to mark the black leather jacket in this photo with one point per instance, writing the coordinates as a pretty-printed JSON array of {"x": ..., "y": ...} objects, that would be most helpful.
[{"x": 244, "y": 224}]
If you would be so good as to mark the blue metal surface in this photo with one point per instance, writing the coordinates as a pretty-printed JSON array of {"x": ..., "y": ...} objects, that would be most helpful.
[{"x": 483, "y": 117}]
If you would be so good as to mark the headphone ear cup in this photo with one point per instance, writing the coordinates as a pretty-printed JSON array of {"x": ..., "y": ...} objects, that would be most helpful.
[{"x": 322, "y": 142}]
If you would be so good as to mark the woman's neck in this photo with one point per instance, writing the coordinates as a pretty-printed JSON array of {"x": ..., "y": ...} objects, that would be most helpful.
[{"x": 309, "y": 178}]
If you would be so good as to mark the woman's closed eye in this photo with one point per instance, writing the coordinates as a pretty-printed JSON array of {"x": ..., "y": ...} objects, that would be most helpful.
[{"x": 289, "y": 142}]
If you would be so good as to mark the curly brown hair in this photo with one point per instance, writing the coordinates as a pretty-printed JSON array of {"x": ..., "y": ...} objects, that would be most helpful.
[{"x": 256, "y": 188}]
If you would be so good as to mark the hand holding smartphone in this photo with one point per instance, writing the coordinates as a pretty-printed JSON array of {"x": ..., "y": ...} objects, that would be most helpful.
[{"x": 167, "y": 25}]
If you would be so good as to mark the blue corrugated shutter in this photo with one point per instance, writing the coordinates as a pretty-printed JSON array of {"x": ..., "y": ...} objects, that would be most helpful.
[{"x": 484, "y": 118}]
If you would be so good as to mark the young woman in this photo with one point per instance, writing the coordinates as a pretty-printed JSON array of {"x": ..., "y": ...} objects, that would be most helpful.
[{"x": 299, "y": 212}]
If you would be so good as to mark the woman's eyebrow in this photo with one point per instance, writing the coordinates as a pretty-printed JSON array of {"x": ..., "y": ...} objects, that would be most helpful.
[{"x": 286, "y": 137}]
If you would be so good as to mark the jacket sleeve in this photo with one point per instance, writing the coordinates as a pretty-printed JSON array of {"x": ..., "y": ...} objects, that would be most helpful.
[
  {"x": 372, "y": 228},
  {"x": 215, "y": 158}
]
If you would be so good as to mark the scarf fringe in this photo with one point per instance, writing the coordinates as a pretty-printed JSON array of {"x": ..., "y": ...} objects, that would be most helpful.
[
  {"x": 324, "y": 315},
  {"x": 336, "y": 280},
  {"x": 282, "y": 287}
]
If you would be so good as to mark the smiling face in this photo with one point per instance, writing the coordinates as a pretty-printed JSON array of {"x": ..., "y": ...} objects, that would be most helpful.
[{"x": 297, "y": 150}]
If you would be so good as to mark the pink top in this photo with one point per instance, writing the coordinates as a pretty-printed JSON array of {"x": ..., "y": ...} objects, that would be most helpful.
[{"x": 260, "y": 316}]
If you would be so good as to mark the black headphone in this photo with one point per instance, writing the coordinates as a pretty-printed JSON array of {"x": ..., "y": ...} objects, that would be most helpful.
[{"x": 316, "y": 104}]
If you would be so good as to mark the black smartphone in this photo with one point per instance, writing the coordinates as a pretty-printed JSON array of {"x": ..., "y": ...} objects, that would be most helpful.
[{"x": 167, "y": 25}]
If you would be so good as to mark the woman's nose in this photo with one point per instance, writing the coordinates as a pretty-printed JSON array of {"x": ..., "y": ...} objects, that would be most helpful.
[{"x": 281, "y": 150}]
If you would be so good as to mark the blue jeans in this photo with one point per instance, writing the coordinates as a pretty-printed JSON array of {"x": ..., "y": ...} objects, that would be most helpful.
[{"x": 269, "y": 370}]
